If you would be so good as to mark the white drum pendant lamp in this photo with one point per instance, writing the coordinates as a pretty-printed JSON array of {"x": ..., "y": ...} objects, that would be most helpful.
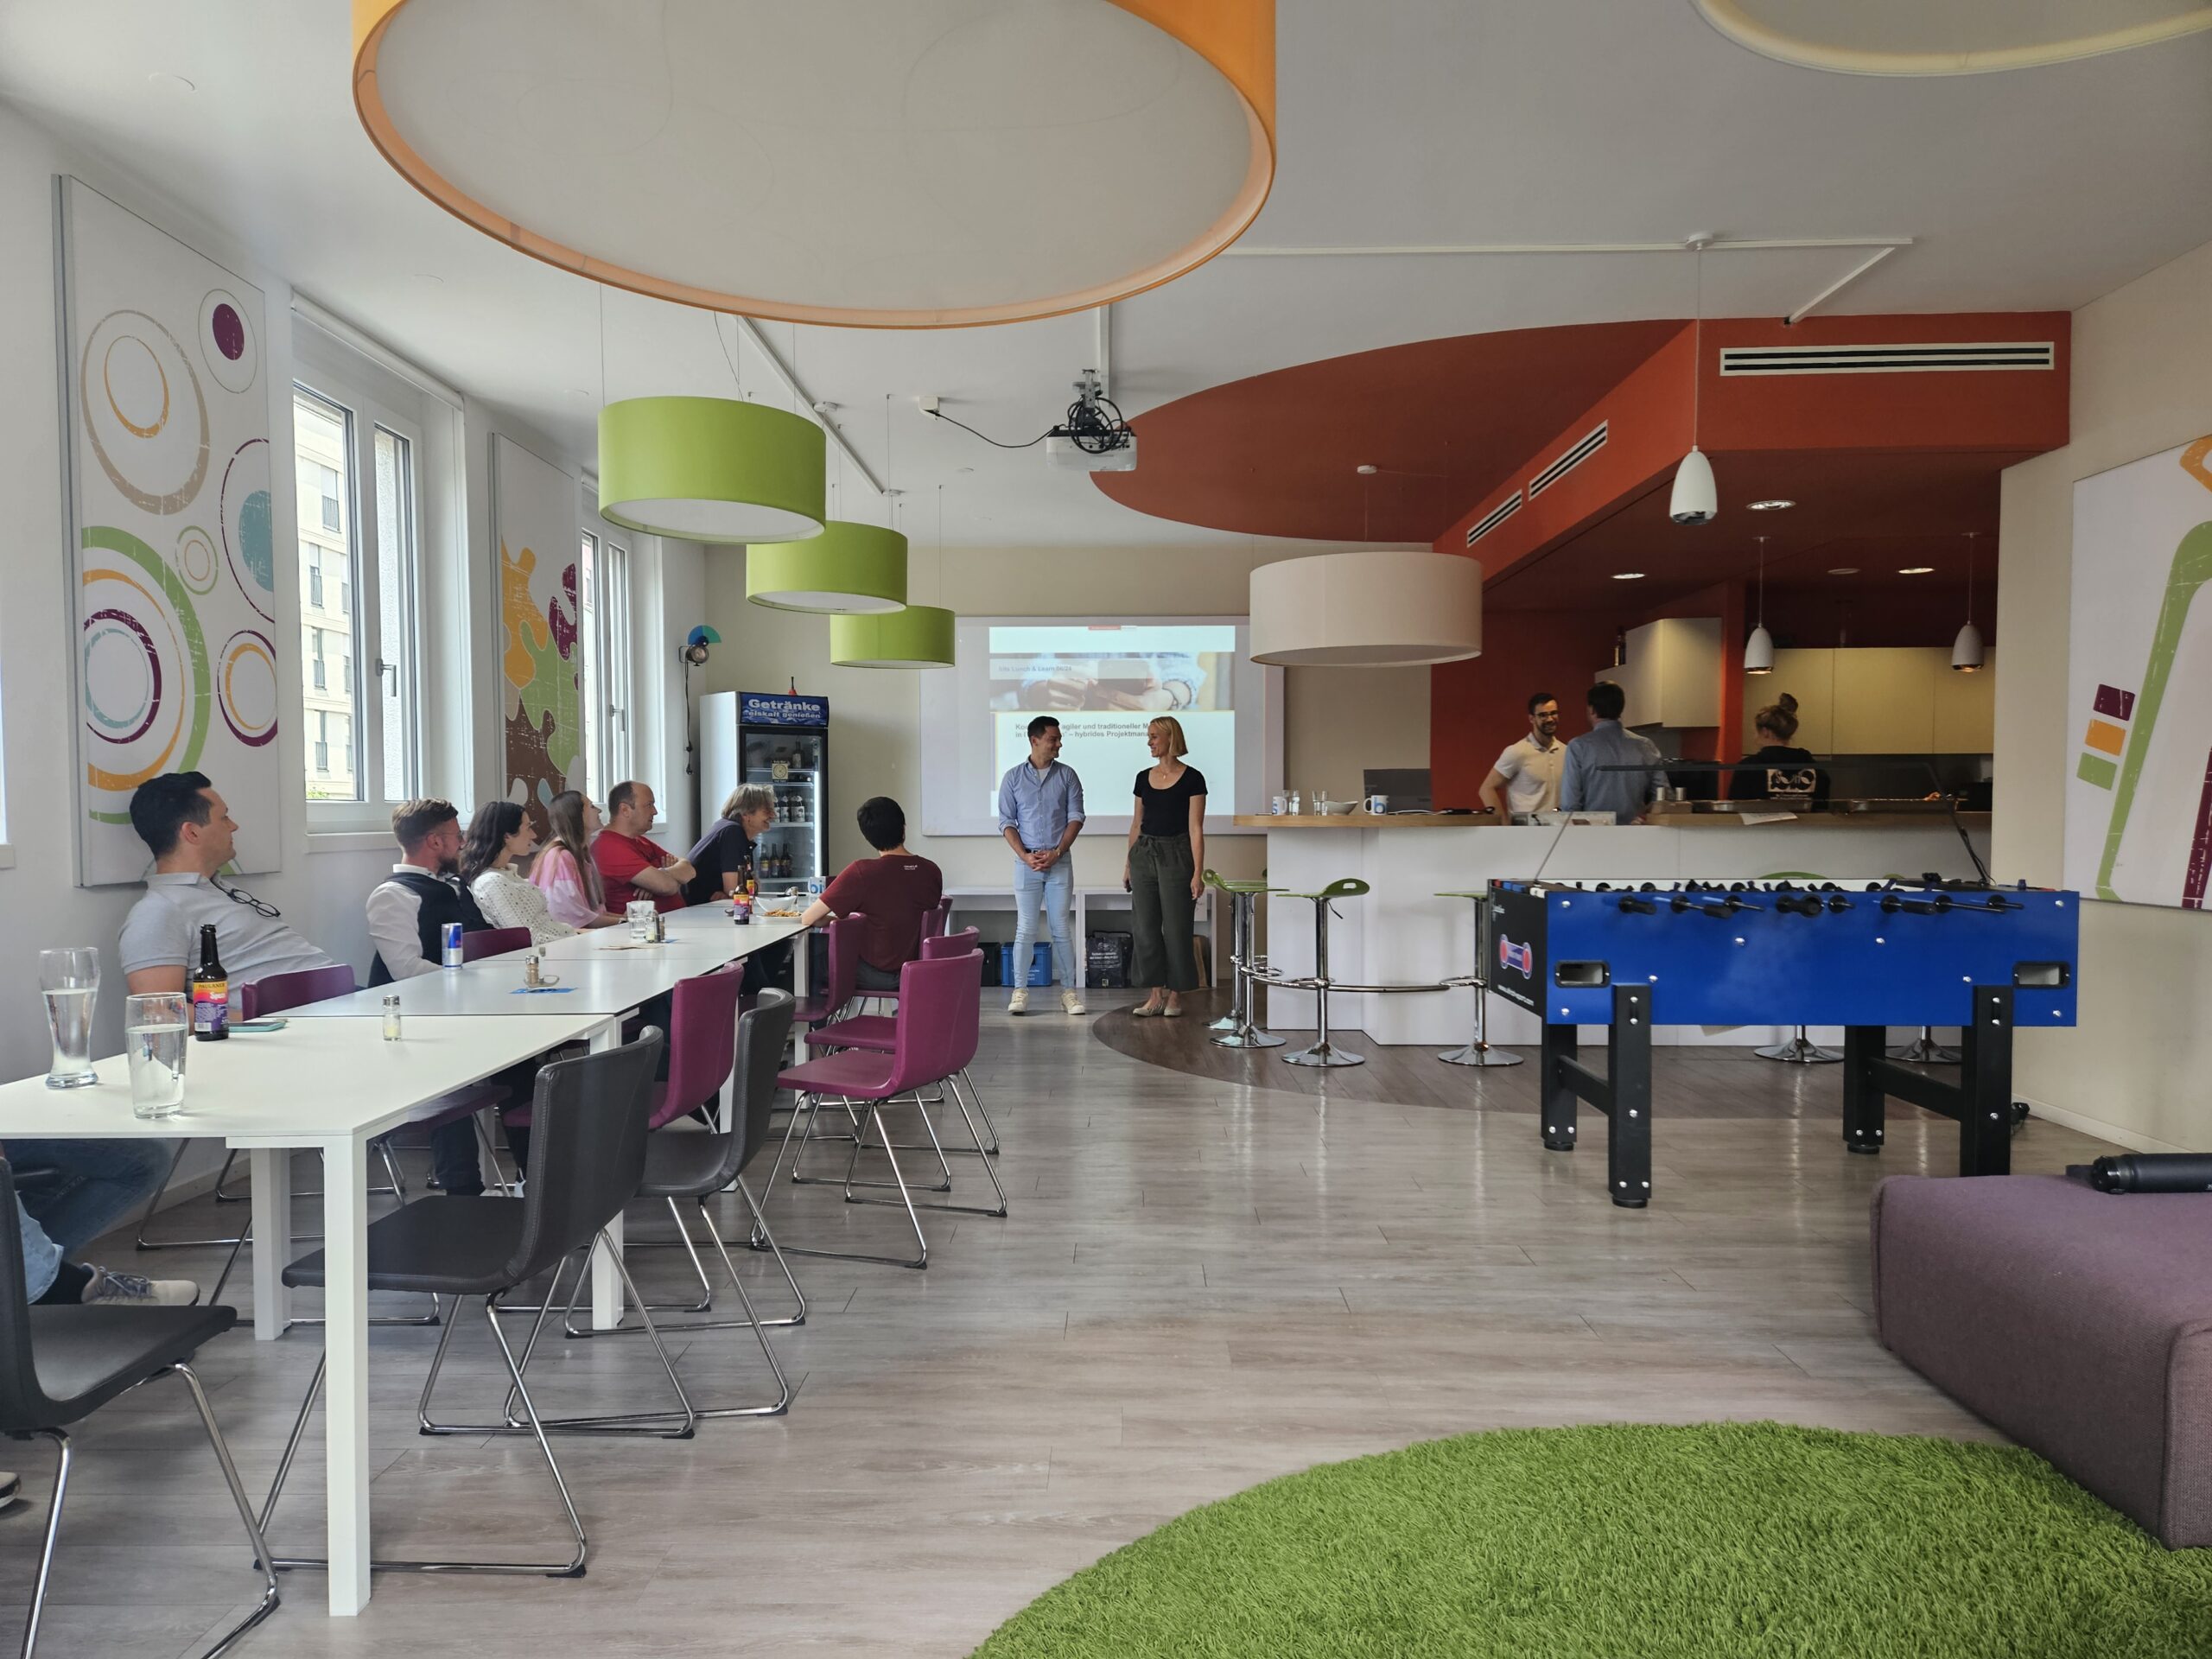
[
  {"x": 1382, "y": 608},
  {"x": 873, "y": 163}
]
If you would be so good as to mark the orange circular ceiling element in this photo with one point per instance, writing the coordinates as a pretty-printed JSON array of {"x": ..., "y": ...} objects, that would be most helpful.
[
  {"x": 1947, "y": 37},
  {"x": 866, "y": 163}
]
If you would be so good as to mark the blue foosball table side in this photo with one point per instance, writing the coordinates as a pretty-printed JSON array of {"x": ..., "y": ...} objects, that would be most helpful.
[{"x": 1629, "y": 955}]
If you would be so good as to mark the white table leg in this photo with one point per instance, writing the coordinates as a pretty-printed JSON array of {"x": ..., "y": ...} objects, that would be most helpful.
[
  {"x": 346, "y": 1332},
  {"x": 606, "y": 1277},
  {"x": 272, "y": 1168}
]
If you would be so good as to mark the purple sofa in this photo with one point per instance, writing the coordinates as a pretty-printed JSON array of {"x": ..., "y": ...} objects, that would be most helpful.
[{"x": 2078, "y": 1322}]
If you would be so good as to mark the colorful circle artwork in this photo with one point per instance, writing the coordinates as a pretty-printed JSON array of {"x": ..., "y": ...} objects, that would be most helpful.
[
  {"x": 145, "y": 662},
  {"x": 246, "y": 686},
  {"x": 145, "y": 412},
  {"x": 197, "y": 560},
  {"x": 227, "y": 345},
  {"x": 248, "y": 530}
]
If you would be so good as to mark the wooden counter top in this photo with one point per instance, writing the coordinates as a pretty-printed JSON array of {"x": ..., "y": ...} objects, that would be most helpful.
[{"x": 1672, "y": 815}]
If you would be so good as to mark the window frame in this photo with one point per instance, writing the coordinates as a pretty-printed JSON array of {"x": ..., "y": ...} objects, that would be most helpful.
[{"x": 362, "y": 654}]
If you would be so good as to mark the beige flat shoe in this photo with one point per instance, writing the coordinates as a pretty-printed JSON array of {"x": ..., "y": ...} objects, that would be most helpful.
[
  {"x": 1146, "y": 1011},
  {"x": 1172, "y": 1012}
]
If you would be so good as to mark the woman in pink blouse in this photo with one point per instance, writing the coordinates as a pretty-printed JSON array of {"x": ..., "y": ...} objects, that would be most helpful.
[{"x": 564, "y": 871}]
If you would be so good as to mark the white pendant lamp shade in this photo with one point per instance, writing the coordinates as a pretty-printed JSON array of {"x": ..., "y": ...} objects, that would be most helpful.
[
  {"x": 1758, "y": 652},
  {"x": 1696, "y": 499},
  {"x": 869, "y": 163},
  {"x": 1966, "y": 650},
  {"x": 1383, "y": 608}
]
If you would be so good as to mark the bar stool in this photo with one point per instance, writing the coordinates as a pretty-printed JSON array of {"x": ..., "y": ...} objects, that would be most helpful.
[
  {"x": 1924, "y": 1050},
  {"x": 1479, "y": 1052},
  {"x": 1239, "y": 1029},
  {"x": 1799, "y": 1051},
  {"x": 1325, "y": 1053}
]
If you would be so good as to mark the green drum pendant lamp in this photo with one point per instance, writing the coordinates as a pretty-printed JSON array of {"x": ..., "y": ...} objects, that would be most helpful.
[
  {"x": 919, "y": 636},
  {"x": 849, "y": 569},
  {"x": 710, "y": 469}
]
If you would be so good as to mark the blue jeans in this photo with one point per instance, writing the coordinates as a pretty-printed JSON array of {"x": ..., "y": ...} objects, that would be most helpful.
[
  {"x": 1054, "y": 889},
  {"x": 41, "y": 1256},
  {"x": 77, "y": 1190}
]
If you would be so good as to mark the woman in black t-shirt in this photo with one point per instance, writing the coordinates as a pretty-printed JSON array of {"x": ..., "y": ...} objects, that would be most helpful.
[
  {"x": 1164, "y": 870},
  {"x": 1790, "y": 774}
]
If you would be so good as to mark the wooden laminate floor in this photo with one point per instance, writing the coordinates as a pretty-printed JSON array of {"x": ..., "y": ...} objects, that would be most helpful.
[{"x": 1206, "y": 1281}]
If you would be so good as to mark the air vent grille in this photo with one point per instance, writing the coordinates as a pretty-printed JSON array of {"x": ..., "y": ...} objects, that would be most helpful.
[
  {"x": 1585, "y": 447},
  {"x": 1496, "y": 516},
  {"x": 1922, "y": 358}
]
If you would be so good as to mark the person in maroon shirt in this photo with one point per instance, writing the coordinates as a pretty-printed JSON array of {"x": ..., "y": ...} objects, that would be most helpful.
[
  {"x": 631, "y": 866},
  {"x": 890, "y": 892}
]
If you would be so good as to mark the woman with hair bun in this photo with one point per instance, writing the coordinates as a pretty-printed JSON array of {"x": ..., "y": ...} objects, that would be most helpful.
[{"x": 1790, "y": 774}]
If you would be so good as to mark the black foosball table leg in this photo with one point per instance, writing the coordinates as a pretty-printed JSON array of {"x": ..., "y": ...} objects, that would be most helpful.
[
  {"x": 1864, "y": 1106},
  {"x": 1558, "y": 1105},
  {"x": 1986, "y": 1084},
  {"x": 1628, "y": 1144}
]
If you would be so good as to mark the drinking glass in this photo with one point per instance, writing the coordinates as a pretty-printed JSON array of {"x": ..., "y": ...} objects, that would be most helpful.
[
  {"x": 157, "y": 1036},
  {"x": 70, "y": 977},
  {"x": 640, "y": 912}
]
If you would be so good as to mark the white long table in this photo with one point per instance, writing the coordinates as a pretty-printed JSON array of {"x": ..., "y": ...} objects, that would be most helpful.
[{"x": 329, "y": 1082}]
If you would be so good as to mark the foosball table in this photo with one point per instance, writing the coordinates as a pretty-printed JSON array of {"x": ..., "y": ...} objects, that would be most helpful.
[{"x": 1866, "y": 956}]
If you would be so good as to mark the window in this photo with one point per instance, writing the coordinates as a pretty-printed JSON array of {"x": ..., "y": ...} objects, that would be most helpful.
[
  {"x": 358, "y": 514},
  {"x": 588, "y": 639},
  {"x": 603, "y": 625}
]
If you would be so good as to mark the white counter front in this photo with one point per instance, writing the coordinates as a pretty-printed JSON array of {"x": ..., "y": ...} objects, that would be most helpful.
[{"x": 1400, "y": 931}]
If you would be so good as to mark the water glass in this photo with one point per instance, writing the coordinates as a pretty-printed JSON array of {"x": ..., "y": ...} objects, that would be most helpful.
[
  {"x": 156, "y": 1036},
  {"x": 641, "y": 914},
  {"x": 70, "y": 977}
]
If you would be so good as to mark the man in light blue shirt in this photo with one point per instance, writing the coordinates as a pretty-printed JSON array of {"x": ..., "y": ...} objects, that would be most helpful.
[
  {"x": 1584, "y": 788},
  {"x": 1040, "y": 814}
]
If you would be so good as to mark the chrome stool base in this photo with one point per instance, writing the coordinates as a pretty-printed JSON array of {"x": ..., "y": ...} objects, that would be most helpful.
[
  {"x": 1238, "y": 1028},
  {"x": 1480, "y": 1054},
  {"x": 1323, "y": 1053},
  {"x": 1924, "y": 1050},
  {"x": 1253, "y": 1039},
  {"x": 1799, "y": 1051}
]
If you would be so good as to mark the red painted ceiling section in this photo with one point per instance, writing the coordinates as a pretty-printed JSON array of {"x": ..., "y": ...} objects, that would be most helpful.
[{"x": 1444, "y": 419}]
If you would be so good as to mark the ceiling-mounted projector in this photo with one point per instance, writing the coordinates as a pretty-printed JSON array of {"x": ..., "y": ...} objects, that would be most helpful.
[{"x": 1092, "y": 437}]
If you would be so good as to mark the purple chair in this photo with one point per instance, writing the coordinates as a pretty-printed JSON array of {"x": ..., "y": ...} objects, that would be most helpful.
[
  {"x": 844, "y": 972},
  {"x": 935, "y": 923},
  {"x": 877, "y": 1032},
  {"x": 493, "y": 942},
  {"x": 281, "y": 991},
  {"x": 940, "y": 1006}
]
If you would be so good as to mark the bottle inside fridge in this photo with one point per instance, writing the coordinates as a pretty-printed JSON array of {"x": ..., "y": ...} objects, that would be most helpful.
[{"x": 792, "y": 763}]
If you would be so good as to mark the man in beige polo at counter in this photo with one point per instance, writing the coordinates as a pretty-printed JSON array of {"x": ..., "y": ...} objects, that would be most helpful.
[{"x": 1527, "y": 773}]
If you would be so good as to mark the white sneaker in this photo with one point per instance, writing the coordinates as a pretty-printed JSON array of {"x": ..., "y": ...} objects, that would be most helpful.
[
  {"x": 1070, "y": 1003},
  {"x": 113, "y": 1289},
  {"x": 1019, "y": 1002}
]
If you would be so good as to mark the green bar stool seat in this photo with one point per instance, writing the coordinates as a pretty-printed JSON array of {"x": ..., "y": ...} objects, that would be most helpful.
[
  {"x": 1323, "y": 1053},
  {"x": 1239, "y": 1029},
  {"x": 1479, "y": 1052}
]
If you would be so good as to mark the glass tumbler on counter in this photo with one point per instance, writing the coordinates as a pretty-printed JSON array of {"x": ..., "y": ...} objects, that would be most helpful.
[
  {"x": 156, "y": 1036},
  {"x": 640, "y": 913},
  {"x": 70, "y": 977}
]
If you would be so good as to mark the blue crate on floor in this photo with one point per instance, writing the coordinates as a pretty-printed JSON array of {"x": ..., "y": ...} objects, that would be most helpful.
[{"x": 1040, "y": 964}]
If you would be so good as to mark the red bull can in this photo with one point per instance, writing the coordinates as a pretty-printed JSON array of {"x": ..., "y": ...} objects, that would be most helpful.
[{"x": 449, "y": 935}]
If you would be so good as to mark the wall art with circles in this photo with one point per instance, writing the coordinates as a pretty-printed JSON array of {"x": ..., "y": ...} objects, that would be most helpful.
[{"x": 176, "y": 552}]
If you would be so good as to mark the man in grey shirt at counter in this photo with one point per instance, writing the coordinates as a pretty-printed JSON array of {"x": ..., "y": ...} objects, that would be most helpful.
[{"x": 1584, "y": 788}]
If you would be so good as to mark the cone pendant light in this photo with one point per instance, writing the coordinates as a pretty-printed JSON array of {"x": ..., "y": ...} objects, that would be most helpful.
[
  {"x": 1966, "y": 650},
  {"x": 1696, "y": 498},
  {"x": 1758, "y": 650}
]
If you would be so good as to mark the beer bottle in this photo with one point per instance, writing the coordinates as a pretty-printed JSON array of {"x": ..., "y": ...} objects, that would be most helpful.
[{"x": 211, "y": 992}]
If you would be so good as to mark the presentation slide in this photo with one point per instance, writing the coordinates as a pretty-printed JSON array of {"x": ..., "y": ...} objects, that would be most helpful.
[
  {"x": 1104, "y": 680},
  {"x": 1105, "y": 686}
]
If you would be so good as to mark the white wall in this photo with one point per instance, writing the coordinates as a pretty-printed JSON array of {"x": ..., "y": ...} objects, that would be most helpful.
[
  {"x": 1338, "y": 721},
  {"x": 2135, "y": 1068}
]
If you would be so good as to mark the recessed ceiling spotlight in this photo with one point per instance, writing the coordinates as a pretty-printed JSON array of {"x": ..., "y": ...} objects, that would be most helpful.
[
  {"x": 1628, "y": 576},
  {"x": 169, "y": 83},
  {"x": 1843, "y": 570},
  {"x": 1917, "y": 570},
  {"x": 1366, "y": 469},
  {"x": 1768, "y": 506}
]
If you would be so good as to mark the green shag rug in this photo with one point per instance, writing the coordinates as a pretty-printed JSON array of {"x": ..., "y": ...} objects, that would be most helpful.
[{"x": 1643, "y": 1542}]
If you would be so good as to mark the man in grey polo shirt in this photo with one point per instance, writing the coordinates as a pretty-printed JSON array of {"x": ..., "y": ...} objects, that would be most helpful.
[
  {"x": 189, "y": 831},
  {"x": 1584, "y": 788}
]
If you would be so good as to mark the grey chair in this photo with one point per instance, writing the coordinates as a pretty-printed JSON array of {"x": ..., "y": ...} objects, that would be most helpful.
[
  {"x": 58, "y": 1365},
  {"x": 588, "y": 1154},
  {"x": 686, "y": 1168}
]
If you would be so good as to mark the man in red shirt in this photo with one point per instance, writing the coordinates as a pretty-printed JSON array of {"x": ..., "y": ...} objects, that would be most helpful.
[
  {"x": 890, "y": 893},
  {"x": 630, "y": 866}
]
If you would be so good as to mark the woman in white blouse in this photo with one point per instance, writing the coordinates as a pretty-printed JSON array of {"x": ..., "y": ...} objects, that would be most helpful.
[{"x": 501, "y": 840}]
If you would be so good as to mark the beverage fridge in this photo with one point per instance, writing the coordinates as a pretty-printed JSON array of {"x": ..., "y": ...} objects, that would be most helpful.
[{"x": 782, "y": 739}]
